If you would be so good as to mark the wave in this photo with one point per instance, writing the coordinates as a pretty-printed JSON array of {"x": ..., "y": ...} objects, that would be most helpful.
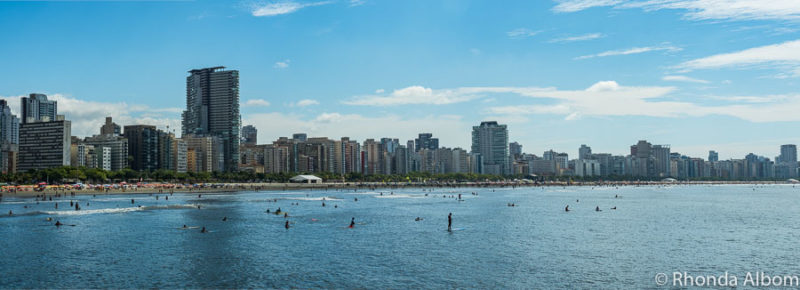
[
  {"x": 326, "y": 198},
  {"x": 400, "y": 196},
  {"x": 103, "y": 210}
]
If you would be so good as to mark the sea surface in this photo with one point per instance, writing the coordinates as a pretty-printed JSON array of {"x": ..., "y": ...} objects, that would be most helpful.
[{"x": 701, "y": 230}]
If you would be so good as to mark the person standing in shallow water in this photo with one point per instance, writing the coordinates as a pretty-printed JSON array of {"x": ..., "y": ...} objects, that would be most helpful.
[
  {"x": 352, "y": 222},
  {"x": 450, "y": 222}
]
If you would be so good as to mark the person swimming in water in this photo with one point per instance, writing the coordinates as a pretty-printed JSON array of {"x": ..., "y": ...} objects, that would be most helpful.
[
  {"x": 614, "y": 208},
  {"x": 58, "y": 223},
  {"x": 597, "y": 208},
  {"x": 286, "y": 225},
  {"x": 352, "y": 222},
  {"x": 184, "y": 226},
  {"x": 418, "y": 219},
  {"x": 286, "y": 215},
  {"x": 224, "y": 219},
  {"x": 203, "y": 230},
  {"x": 566, "y": 208},
  {"x": 450, "y": 222}
]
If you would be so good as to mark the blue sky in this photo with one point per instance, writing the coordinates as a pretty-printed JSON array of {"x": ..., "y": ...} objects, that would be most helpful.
[{"x": 696, "y": 74}]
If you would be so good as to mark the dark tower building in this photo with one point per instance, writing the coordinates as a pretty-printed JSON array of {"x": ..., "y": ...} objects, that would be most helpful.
[
  {"x": 212, "y": 109},
  {"x": 249, "y": 135}
]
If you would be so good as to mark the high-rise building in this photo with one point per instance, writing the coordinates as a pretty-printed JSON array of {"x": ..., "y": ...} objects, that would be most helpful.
[
  {"x": 490, "y": 140},
  {"x": 179, "y": 148},
  {"x": 9, "y": 124},
  {"x": 110, "y": 128},
  {"x": 44, "y": 145},
  {"x": 426, "y": 141},
  {"x": 514, "y": 149},
  {"x": 787, "y": 161},
  {"x": 249, "y": 135},
  {"x": 36, "y": 108},
  {"x": 212, "y": 109},
  {"x": 143, "y": 146},
  {"x": 585, "y": 152},
  {"x": 713, "y": 156},
  {"x": 9, "y": 138}
]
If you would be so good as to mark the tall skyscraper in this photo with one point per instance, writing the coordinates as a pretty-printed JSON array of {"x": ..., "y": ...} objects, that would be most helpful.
[
  {"x": 490, "y": 140},
  {"x": 212, "y": 109},
  {"x": 426, "y": 141},
  {"x": 9, "y": 124},
  {"x": 36, "y": 108},
  {"x": 713, "y": 156},
  {"x": 788, "y": 160},
  {"x": 9, "y": 138},
  {"x": 249, "y": 135}
]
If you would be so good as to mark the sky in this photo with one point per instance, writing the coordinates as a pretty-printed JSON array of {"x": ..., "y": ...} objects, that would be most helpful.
[{"x": 697, "y": 75}]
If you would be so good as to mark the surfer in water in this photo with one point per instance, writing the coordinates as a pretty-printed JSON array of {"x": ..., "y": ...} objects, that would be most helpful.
[
  {"x": 450, "y": 222},
  {"x": 58, "y": 223},
  {"x": 352, "y": 222},
  {"x": 566, "y": 208},
  {"x": 224, "y": 219},
  {"x": 203, "y": 230},
  {"x": 597, "y": 208}
]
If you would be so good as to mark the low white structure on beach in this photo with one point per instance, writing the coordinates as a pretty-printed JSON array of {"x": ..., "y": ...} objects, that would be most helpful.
[{"x": 305, "y": 179}]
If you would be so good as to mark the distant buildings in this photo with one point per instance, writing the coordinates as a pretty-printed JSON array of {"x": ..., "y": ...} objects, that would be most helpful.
[
  {"x": 212, "y": 109},
  {"x": 490, "y": 140}
]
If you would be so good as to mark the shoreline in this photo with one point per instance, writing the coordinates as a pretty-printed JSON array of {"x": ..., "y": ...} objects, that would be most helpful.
[{"x": 239, "y": 187}]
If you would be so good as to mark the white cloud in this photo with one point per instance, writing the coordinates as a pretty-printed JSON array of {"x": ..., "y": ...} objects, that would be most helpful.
[
  {"x": 608, "y": 98},
  {"x": 257, "y": 102},
  {"x": 784, "y": 56},
  {"x": 676, "y": 78},
  {"x": 635, "y": 50},
  {"x": 448, "y": 128},
  {"x": 280, "y": 8},
  {"x": 282, "y": 64},
  {"x": 306, "y": 102},
  {"x": 354, "y": 3},
  {"x": 414, "y": 95},
  {"x": 522, "y": 33},
  {"x": 578, "y": 5},
  {"x": 699, "y": 9},
  {"x": 87, "y": 116},
  {"x": 584, "y": 37}
]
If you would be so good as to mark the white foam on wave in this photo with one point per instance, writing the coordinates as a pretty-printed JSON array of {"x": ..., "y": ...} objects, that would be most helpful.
[
  {"x": 118, "y": 210},
  {"x": 400, "y": 196},
  {"x": 325, "y": 198}
]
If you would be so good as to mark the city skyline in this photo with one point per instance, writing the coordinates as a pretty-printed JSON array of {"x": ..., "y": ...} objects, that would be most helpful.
[{"x": 322, "y": 69}]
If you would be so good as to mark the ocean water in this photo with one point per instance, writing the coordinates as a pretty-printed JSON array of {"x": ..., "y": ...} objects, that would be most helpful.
[{"x": 701, "y": 230}]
